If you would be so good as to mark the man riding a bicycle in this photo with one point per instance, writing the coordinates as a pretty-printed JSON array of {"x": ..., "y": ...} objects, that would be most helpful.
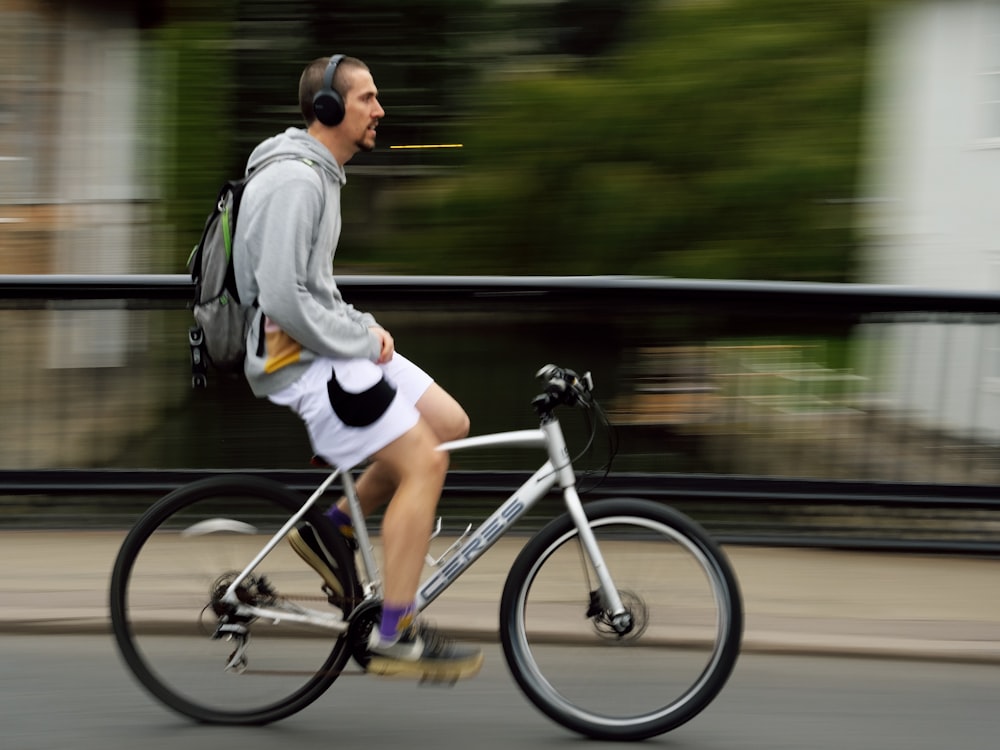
[{"x": 336, "y": 367}]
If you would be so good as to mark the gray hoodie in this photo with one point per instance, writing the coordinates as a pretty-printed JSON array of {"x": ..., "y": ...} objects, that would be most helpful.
[{"x": 287, "y": 232}]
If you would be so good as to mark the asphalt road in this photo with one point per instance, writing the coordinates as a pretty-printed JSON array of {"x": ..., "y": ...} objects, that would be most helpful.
[{"x": 73, "y": 692}]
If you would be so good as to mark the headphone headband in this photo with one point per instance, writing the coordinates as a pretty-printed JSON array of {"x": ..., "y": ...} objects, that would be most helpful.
[{"x": 331, "y": 69}]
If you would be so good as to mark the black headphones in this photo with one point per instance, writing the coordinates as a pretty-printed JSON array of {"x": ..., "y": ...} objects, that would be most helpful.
[{"x": 327, "y": 103}]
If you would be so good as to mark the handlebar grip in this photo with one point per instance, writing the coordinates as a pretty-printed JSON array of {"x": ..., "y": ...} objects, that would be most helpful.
[{"x": 563, "y": 386}]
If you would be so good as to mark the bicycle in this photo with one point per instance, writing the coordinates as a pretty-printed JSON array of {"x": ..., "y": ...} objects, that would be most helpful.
[{"x": 630, "y": 593}]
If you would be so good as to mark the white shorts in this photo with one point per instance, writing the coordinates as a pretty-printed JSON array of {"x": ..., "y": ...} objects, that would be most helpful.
[{"x": 353, "y": 408}]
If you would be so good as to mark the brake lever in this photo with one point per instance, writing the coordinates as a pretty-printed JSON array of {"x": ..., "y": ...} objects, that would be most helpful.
[{"x": 547, "y": 372}]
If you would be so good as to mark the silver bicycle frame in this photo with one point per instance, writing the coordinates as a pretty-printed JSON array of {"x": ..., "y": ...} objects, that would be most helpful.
[{"x": 558, "y": 469}]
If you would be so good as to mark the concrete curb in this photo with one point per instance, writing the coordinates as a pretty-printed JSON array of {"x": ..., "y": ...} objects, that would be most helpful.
[{"x": 754, "y": 642}]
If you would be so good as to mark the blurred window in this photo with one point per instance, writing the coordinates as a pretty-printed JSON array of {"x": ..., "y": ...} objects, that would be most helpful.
[
  {"x": 23, "y": 52},
  {"x": 989, "y": 56}
]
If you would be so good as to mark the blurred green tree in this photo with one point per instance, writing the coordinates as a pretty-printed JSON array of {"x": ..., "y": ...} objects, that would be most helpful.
[
  {"x": 192, "y": 72},
  {"x": 687, "y": 139},
  {"x": 712, "y": 140},
  {"x": 230, "y": 71}
]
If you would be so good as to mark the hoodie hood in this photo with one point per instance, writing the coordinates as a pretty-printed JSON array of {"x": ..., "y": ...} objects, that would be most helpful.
[{"x": 297, "y": 143}]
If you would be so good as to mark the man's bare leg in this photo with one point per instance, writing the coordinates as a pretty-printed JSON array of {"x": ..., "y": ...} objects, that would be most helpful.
[
  {"x": 409, "y": 473},
  {"x": 418, "y": 472},
  {"x": 446, "y": 418},
  {"x": 442, "y": 419}
]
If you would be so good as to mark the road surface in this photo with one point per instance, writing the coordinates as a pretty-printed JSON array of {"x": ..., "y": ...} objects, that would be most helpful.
[{"x": 73, "y": 692}]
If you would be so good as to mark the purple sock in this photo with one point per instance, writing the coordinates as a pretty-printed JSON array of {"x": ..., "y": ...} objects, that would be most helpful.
[
  {"x": 394, "y": 619},
  {"x": 338, "y": 516}
]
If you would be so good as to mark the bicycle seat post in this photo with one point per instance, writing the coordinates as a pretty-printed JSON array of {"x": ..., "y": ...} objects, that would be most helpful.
[{"x": 372, "y": 583}]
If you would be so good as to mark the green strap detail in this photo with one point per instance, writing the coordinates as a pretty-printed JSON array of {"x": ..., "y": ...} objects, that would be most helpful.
[{"x": 227, "y": 233}]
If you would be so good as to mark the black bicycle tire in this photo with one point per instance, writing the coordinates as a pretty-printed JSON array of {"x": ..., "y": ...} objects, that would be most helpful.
[
  {"x": 594, "y": 726},
  {"x": 152, "y": 519}
]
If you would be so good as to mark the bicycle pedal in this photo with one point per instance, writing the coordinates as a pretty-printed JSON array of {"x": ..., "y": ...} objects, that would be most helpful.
[{"x": 230, "y": 630}]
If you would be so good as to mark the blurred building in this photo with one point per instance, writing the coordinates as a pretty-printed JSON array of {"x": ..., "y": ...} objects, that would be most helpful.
[
  {"x": 78, "y": 194},
  {"x": 932, "y": 190},
  {"x": 77, "y": 157},
  {"x": 934, "y": 147},
  {"x": 76, "y": 178}
]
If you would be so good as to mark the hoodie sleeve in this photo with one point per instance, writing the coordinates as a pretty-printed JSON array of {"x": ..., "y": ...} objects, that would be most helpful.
[{"x": 293, "y": 274}]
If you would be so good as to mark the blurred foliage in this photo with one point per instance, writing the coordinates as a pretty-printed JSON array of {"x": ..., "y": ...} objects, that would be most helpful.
[
  {"x": 196, "y": 93},
  {"x": 686, "y": 139},
  {"x": 720, "y": 140},
  {"x": 231, "y": 68}
]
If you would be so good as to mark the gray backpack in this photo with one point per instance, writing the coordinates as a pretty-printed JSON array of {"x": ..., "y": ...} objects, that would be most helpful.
[{"x": 222, "y": 319}]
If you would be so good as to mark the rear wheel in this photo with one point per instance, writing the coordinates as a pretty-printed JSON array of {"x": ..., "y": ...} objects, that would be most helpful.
[
  {"x": 637, "y": 675},
  {"x": 191, "y": 651}
]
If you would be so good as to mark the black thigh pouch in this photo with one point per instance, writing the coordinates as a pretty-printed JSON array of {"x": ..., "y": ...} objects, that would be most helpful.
[{"x": 360, "y": 409}]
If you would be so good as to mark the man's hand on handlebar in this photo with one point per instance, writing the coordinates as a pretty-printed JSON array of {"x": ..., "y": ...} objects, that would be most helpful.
[{"x": 563, "y": 387}]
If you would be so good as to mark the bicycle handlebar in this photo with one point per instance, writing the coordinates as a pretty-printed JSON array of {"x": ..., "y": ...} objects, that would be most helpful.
[{"x": 563, "y": 387}]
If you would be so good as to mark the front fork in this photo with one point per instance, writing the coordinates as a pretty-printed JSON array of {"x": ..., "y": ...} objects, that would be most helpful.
[{"x": 606, "y": 599}]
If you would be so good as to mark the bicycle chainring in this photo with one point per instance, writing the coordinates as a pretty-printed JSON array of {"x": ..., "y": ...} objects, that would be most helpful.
[{"x": 363, "y": 621}]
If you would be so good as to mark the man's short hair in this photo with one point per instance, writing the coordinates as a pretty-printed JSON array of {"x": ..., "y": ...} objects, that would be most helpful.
[{"x": 311, "y": 82}]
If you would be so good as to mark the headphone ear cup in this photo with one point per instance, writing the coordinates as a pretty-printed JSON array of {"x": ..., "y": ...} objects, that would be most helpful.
[{"x": 329, "y": 107}]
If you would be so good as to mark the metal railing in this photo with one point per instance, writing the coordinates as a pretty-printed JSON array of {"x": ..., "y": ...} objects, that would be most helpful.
[
  {"x": 823, "y": 298},
  {"x": 764, "y": 323}
]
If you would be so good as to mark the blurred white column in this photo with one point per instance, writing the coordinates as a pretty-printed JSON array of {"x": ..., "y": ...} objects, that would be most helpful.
[{"x": 98, "y": 185}]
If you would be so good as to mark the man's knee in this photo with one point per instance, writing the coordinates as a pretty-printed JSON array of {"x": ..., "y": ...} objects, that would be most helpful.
[
  {"x": 438, "y": 463},
  {"x": 415, "y": 454},
  {"x": 460, "y": 426},
  {"x": 452, "y": 422},
  {"x": 444, "y": 414}
]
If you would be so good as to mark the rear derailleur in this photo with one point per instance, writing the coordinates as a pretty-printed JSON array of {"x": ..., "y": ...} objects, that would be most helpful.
[{"x": 232, "y": 626}]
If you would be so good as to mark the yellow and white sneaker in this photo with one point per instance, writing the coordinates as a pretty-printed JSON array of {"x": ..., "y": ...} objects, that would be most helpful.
[{"x": 421, "y": 652}]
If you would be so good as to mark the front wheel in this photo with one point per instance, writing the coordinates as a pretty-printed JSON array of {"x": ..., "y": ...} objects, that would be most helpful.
[
  {"x": 186, "y": 646},
  {"x": 646, "y": 671}
]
